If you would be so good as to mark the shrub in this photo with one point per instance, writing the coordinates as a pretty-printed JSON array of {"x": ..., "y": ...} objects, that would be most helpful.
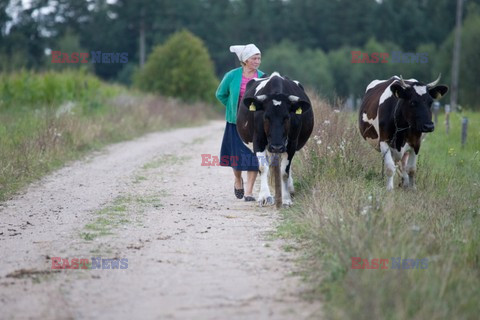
[{"x": 180, "y": 68}]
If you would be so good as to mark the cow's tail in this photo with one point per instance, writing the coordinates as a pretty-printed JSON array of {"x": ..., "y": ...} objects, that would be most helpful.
[
  {"x": 275, "y": 179},
  {"x": 278, "y": 182}
]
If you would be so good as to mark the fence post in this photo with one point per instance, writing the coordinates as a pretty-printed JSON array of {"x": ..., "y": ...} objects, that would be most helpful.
[
  {"x": 436, "y": 108},
  {"x": 464, "y": 130},
  {"x": 447, "y": 118}
]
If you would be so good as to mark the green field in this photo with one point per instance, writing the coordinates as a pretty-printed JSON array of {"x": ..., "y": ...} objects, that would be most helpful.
[{"x": 343, "y": 210}]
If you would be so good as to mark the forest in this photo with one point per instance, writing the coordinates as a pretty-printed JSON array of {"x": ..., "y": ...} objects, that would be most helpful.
[{"x": 310, "y": 40}]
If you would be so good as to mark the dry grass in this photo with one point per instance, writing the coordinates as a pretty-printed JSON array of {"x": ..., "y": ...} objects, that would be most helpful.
[
  {"x": 36, "y": 139},
  {"x": 344, "y": 211}
]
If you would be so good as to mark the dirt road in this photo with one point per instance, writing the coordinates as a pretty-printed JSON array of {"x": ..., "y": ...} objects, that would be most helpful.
[{"x": 193, "y": 250}]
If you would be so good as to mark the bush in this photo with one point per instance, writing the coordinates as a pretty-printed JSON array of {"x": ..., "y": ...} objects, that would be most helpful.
[{"x": 180, "y": 68}]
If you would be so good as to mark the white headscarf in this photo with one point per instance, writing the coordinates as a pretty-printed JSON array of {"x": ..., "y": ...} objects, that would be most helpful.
[{"x": 245, "y": 52}]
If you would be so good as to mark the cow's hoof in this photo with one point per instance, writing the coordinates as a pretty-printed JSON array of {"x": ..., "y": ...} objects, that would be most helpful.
[
  {"x": 268, "y": 201},
  {"x": 287, "y": 203}
]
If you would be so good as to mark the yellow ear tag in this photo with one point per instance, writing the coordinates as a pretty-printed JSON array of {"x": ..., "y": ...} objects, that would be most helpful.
[
  {"x": 252, "y": 107},
  {"x": 299, "y": 111}
]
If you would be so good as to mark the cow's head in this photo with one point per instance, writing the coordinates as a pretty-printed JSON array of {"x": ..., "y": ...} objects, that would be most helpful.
[
  {"x": 279, "y": 111},
  {"x": 416, "y": 101}
]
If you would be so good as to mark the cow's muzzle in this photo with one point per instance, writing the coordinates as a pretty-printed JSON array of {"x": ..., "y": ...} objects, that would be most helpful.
[
  {"x": 428, "y": 127},
  {"x": 279, "y": 148}
]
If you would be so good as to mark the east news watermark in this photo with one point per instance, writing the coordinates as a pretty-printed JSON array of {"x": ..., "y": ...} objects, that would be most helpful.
[
  {"x": 94, "y": 56},
  {"x": 385, "y": 57},
  {"x": 84, "y": 263},
  {"x": 393, "y": 263}
]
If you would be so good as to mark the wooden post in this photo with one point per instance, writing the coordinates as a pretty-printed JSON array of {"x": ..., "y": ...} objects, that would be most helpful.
[
  {"x": 447, "y": 118},
  {"x": 464, "y": 130},
  {"x": 436, "y": 108}
]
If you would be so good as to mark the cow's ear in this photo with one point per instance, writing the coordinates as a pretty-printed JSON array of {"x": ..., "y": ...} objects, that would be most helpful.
[
  {"x": 254, "y": 103},
  {"x": 298, "y": 106},
  {"x": 399, "y": 91},
  {"x": 299, "y": 85},
  {"x": 438, "y": 91}
]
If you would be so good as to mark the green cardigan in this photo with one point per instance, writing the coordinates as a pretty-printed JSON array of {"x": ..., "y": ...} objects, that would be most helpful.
[{"x": 228, "y": 92}]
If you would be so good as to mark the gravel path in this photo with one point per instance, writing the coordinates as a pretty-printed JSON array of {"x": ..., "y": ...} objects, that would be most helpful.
[{"x": 194, "y": 251}]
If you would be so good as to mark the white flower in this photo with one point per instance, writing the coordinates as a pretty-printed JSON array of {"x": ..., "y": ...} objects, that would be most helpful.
[
  {"x": 415, "y": 228},
  {"x": 66, "y": 108},
  {"x": 326, "y": 122}
]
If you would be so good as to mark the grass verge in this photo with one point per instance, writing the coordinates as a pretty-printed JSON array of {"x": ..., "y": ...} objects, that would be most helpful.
[
  {"x": 49, "y": 119},
  {"x": 343, "y": 211}
]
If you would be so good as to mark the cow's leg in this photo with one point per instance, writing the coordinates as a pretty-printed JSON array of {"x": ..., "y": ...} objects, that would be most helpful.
[
  {"x": 389, "y": 164},
  {"x": 286, "y": 198},
  {"x": 264, "y": 198},
  {"x": 412, "y": 169},
  {"x": 404, "y": 169},
  {"x": 291, "y": 188}
]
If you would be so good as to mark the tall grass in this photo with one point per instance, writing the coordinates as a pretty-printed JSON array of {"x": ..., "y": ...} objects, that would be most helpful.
[
  {"x": 343, "y": 210},
  {"x": 49, "y": 119}
]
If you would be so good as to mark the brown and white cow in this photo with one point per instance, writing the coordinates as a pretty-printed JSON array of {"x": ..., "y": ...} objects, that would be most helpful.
[{"x": 393, "y": 116}]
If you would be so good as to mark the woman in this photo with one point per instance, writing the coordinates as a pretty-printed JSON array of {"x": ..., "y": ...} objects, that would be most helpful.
[{"x": 230, "y": 92}]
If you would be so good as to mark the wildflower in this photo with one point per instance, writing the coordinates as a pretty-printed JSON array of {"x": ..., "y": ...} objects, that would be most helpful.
[
  {"x": 56, "y": 134},
  {"x": 415, "y": 228},
  {"x": 365, "y": 210},
  {"x": 66, "y": 108}
]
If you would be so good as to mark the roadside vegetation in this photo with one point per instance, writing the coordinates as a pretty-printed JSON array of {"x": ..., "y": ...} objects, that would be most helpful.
[
  {"x": 48, "y": 119},
  {"x": 343, "y": 211}
]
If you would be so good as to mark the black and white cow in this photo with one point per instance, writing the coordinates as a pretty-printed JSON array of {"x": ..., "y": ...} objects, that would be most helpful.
[
  {"x": 394, "y": 115},
  {"x": 276, "y": 115}
]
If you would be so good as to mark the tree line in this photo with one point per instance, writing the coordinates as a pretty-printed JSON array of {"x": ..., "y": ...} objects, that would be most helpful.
[{"x": 311, "y": 40}]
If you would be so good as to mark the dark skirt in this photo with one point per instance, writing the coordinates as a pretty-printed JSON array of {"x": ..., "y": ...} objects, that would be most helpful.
[{"x": 234, "y": 153}]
